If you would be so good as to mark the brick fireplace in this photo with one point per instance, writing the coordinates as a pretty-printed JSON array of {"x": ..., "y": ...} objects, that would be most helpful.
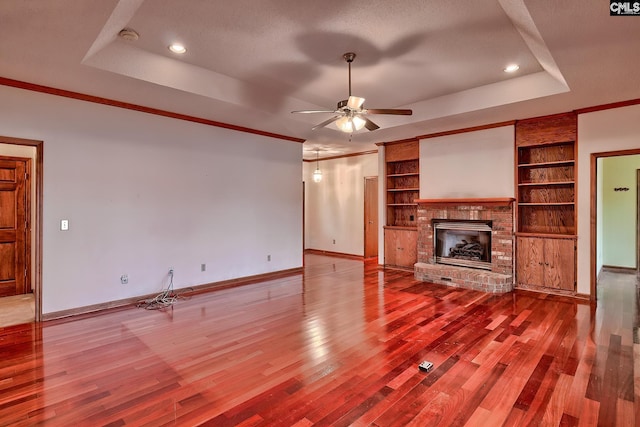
[{"x": 497, "y": 276}]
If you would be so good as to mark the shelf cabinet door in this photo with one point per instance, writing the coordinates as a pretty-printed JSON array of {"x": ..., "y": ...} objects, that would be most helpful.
[
  {"x": 546, "y": 263},
  {"x": 530, "y": 261},
  {"x": 559, "y": 264},
  {"x": 400, "y": 248}
]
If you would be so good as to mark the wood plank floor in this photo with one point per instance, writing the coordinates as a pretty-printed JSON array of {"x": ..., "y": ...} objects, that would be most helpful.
[{"x": 338, "y": 345}]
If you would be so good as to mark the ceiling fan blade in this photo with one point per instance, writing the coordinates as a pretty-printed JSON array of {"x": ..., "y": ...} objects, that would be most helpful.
[
  {"x": 326, "y": 122},
  {"x": 397, "y": 112},
  {"x": 314, "y": 111},
  {"x": 355, "y": 102},
  {"x": 370, "y": 125}
]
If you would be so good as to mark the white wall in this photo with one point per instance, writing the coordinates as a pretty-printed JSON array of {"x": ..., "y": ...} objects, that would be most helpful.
[
  {"x": 468, "y": 165},
  {"x": 144, "y": 193},
  {"x": 334, "y": 208},
  {"x": 619, "y": 210},
  {"x": 600, "y": 131}
]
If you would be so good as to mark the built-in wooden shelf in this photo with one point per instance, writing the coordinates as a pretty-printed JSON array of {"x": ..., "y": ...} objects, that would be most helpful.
[
  {"x": 490, "y": 201},
  {"x": 546, "y": 164},
  {"x": 545, "y": 183},
  {"x": 547, "y": 204},
  {"x": 403, "y": 189},
  {"x": 402, "y": 178},
  {"x": 546, "y": 154},
  {"x": 396, "y": 175}
]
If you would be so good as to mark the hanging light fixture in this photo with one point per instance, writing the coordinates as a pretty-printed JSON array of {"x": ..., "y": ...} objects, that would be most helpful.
[{"x": 317, "y": 174}]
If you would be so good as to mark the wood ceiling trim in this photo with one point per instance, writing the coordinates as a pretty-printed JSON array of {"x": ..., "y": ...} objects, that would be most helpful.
[{"x": 128, "y": 106}]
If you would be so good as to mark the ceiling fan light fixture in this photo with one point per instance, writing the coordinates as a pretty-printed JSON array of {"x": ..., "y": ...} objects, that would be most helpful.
[{"x": 350, "y": 124}]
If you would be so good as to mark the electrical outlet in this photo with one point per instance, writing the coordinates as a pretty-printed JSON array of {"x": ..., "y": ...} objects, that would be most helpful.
[
  {"x": 203, "y": 267},
  {"x": 334, "y": 241},
  {"x": 171, "y": 271},
  {"x": 124, "y": 279},
  {"x": 64, "y": 224},
  {"x": 268, "y": 257}
]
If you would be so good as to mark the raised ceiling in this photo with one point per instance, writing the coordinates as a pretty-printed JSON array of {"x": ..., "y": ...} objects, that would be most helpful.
[{"x": 250, "y": 63}]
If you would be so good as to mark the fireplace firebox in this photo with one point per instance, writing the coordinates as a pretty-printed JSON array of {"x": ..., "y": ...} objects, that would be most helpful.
[{"x": 465, "y": 243}]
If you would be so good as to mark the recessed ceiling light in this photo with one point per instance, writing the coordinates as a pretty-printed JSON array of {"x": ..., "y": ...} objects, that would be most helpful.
[
  {"x": 128, "y": 34},
  {"x": 177, "y": 48},
  {"x": 512, "y": 68}
]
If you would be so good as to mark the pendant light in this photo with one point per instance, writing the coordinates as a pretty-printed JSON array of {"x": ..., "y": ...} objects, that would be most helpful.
[{"x": 317, "y": 174}]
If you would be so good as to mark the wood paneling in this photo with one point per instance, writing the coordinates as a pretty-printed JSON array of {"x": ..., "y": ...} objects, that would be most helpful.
[
  {"x": 400, "y": 152},
  {"x": 547, "y": 130},
  {"x": 338, "y": 345}
]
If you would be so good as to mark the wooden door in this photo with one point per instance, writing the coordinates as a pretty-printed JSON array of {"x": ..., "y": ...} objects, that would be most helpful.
[
  {"x": 14, "y": 236},
  {"x": 530, "y": 261},
  {"x": 370, "y": 216},
  {"x": 559, "y": 263}
]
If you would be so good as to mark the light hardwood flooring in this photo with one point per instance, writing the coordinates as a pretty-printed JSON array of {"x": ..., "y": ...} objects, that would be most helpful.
[
  {"x": 17, "y": 309},
  {"x": 337, "y": 345}
]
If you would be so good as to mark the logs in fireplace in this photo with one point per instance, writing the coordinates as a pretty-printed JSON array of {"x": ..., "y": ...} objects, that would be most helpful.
[{"x": 467, "y": 250}]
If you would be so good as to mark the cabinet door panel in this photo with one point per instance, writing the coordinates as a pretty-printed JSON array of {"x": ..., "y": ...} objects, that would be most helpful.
[
  {"x": 530, "y": 261},
  {"x": 407, "y": 249},
  {"x": 390, "y": 247},
  {"x": 559, "y": 264},
  {"x": 400, "y": 247}
]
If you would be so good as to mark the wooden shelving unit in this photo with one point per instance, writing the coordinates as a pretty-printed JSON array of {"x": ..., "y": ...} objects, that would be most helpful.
[
  {"x": 546, "y": 153},
  {"x": 403, "y": 189}
]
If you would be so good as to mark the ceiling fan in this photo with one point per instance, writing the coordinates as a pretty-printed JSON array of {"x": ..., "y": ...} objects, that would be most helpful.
[{"x": 350, "y": 114}]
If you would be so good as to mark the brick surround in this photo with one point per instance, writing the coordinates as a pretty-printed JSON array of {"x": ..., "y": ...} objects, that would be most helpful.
[{"x": 500, "y": 212}]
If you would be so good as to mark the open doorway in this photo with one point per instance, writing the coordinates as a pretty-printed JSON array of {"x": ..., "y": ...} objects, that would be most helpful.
[
  {"x": 27, "y": 154},
  {"x": 615, "y": 224}
]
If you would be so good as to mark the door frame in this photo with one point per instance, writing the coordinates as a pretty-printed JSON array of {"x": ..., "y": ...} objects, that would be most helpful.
[
  {"x": 637, "y": 222},
  {"x": 36, "y": 227},
  {"x": 367, "y": 180},
  {"x": 593, "y": 206}
]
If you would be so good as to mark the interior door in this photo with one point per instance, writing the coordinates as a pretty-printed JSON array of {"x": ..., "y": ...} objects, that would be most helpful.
[
  {"x": 370, "y": 216},
  {"x": 14, "y": 239}
]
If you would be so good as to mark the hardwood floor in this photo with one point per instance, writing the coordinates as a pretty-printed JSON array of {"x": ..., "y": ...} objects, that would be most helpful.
[{"x": 337, "y": 346}]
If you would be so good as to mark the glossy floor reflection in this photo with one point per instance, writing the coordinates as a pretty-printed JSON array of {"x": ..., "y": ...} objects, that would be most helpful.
[{"x": 337, "y": 345}]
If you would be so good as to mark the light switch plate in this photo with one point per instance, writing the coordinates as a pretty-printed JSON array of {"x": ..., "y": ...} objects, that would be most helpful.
[{"x": 64, "y": 224}]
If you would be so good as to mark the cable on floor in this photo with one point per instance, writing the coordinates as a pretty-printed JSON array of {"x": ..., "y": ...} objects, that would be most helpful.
[{"x": 164, "y": 299}]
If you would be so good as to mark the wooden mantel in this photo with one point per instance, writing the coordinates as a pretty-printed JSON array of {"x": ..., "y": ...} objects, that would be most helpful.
[{"x": 490, "y": 201}]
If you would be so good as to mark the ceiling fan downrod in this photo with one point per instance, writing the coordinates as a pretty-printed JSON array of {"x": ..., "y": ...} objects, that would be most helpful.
[{"x": 349, "y": 57}]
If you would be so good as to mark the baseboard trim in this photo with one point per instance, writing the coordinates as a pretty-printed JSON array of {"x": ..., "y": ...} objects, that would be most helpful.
[
  {"x": 554, "y": 292},
  {"x": 97, "y": 309},
  {"x": 333, "y": 254},
  {"x": 616, "y": 269}
]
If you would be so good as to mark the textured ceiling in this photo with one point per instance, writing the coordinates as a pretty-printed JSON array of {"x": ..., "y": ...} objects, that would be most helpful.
[{"x": 250, "y": 63}]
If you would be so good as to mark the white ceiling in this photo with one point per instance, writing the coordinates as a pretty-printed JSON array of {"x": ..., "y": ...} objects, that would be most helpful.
[{"x": 250, "y": 63}]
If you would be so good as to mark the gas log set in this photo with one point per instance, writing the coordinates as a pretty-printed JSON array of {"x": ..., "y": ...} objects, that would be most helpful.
[{"x": 467, "y": 250}]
